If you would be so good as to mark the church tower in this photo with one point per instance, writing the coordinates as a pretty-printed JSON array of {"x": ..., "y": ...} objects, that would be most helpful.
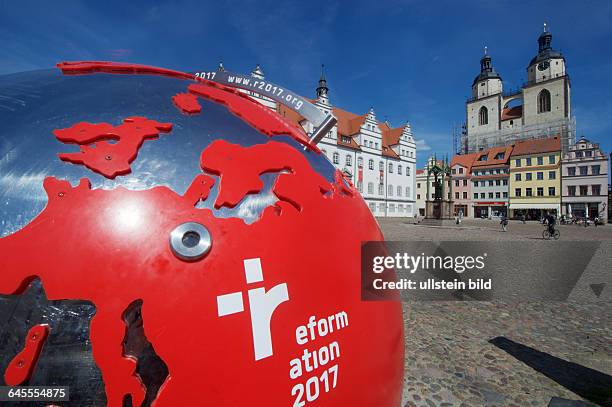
[
  {"x": 322, "y": 89},
  {"x": 483, "y": 108},
  {"x": 546, "y": 96}
]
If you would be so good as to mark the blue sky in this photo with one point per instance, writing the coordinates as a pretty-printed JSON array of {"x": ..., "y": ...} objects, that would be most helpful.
[{"x": 410, "y": 60}]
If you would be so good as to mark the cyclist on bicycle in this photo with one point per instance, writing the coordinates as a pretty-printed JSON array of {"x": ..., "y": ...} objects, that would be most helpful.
[{"x": 550, "y": 220}]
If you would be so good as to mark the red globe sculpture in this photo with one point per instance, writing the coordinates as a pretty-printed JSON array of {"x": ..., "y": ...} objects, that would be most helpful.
[{"x": 200, "y": 227}]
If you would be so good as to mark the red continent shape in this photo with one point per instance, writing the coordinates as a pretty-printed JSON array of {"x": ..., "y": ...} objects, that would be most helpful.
[
  {"x": 109, "y": 159},
  {"x": 187, "y": 103},
  {"x": 257, "y": 115},
  {"x": 240, "y": 169}
]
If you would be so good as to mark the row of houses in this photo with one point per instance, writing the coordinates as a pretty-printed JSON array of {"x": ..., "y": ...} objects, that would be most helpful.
[{"x": 527, "y": 178}]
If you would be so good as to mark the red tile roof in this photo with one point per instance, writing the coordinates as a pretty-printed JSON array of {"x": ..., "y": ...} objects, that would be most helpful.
[
  {"x": 537, "y": 146},
  {"x": 349, "y": 125},
  {"x": 491, "y": 154},
  {"x": 512, "y": 112},
  {"x": 464, "y": 160}
]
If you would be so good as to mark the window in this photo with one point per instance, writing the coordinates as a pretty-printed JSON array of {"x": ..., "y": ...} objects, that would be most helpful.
[
  {"x": 571, "y": 190},
  {"x": 499, "y": 156},
  {"x": 456, "y": 195},
  {"x": 528, "y": 192},
  {"x": 584, "y": 170},
  {"x": 490, "y": 182},
  {"x": 360, "y": 162},
  {"x": 370, "y": 188},
  {"x": 399, "y": 169},
  {"x": 372, "y": 207},
  {"x": 483, "y": 157},
  {"x": 544, "y": 101},
  {"x": 456, "y": 182},
  {"x": 540, "y": 175},
  {"x": 498, "y": 182},
  {"x": 336, "y": 158},
  {"x": 528, "y": 176},
  {"x": 540, "y": 191},
  {"x": 391, "y": 207},
  {"x": 517, "y": 177},
  {"x": 418, "y": 196},
  {"x": 490, "y": 195},
  {"x": 475, "y": 195},
  {"x": 517, "y": 192},
  {"x": 360, "y": 186},
  {"x": 551, "y": 159},
  {"x": 517, "y": 162},
  {"x": 407, "y": 192},
  {"x": 349, "y": 161},
  {"x": 345, "y": 140},
  {"x": 399, "y": 190},
  {"x": 482, "y": 195},
  {"x": 505, "y": 182},
  {"x": 596, "y": 189},
  {"x": 497, "y": 195},
  {"x": 551, "y": 191},
  {"x": 540, "y": 160},
  {"x": 371, "y": 164},
  {"x": 381, "y": 166},
  {"x": 578, "y": 154},
  {"x": 528, "y": 161},
  {"x": 390, "y": 190},
  {"x": 552, "y": 174},
  {"x": 408, "y": 170},
  {"x": 390, "y": 168},
  {"x": 571, "y": 171},
  {"x": 483, "y": 116},
  {"x": 595, "y": 169},
  {"x": 465, "y": 182},
  {"x": 588, "y": 153},
  {"x": 584, "y": 190},
  {"x": 460, "y": 170},
  {"x": 418, "y": 185},
  {"x": 505, "y": 195},
  {"x": 381, "y": 189}
]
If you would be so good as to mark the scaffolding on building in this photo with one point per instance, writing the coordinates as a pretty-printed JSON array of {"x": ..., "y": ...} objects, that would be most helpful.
[{"x": 565, "y": 128}]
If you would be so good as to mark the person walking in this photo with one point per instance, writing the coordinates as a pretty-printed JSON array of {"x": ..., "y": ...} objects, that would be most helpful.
[{"x": 504, "y": 223}]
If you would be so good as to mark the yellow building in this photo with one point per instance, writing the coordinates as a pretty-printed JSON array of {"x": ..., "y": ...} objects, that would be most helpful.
[{"x": 535, "y": 178}]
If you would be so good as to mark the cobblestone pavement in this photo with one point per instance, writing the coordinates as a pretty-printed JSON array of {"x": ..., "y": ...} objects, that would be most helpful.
[{"x": 449, "y": 359}]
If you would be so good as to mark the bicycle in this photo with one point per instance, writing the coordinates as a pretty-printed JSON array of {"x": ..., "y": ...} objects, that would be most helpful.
[{"x": 546, "y": 235}]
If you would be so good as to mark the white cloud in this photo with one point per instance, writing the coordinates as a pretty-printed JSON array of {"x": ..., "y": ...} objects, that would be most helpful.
[{"x": 422, "y": 145}]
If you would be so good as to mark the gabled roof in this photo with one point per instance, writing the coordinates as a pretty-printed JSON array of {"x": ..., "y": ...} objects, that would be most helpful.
[
  {"x": 349, "y": 125},
  {"x": 537, "y": 146},
  {"x": 503, "y": 153},
  {"x": 464, "y": 160}
]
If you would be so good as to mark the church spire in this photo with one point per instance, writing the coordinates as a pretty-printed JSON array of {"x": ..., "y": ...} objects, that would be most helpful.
[
  {"x": 485, "y": 62},
  {"x": 545, "y": 40},
  {"x": 322, "y": 89}
]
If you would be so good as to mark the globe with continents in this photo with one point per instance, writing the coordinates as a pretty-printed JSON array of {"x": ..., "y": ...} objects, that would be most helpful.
[{"x": 168, "y": 241}]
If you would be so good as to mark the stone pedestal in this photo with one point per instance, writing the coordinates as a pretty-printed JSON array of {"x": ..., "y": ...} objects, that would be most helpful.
[{"x": 439, "y": 209}]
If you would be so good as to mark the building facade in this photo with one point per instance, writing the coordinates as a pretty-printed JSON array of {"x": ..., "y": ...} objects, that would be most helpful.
[
  {"x": 378, "y": 159},
  {"x": 585, "y": 181},
  {"x": 535, "y": 178},
  {"x": 490, "y": 182},
  {"x": 461, "y": 178},
  {"x": 541, "y": 108},
  {"x": 421, "y": 191}
]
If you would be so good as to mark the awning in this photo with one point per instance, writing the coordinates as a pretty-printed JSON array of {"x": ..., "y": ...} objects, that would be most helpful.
[
  {"x": 534, "y": 206},
  {"x": 491, "y": 203}
]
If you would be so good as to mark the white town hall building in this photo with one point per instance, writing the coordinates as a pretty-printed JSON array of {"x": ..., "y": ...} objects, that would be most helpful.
[{"x": 379, "y": 160}]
